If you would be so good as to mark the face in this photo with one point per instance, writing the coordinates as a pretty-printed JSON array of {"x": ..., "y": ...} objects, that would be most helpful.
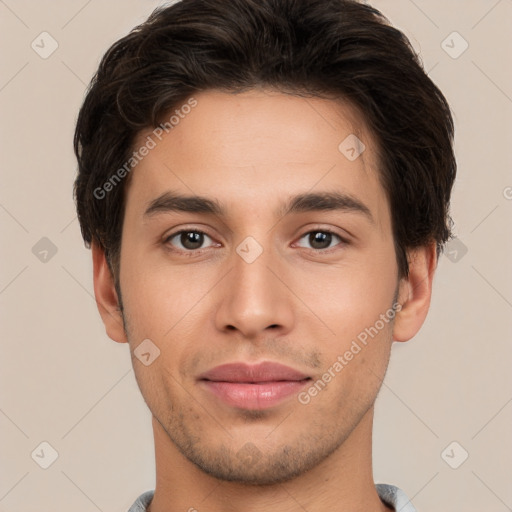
[{"x": 258, "y": 258}]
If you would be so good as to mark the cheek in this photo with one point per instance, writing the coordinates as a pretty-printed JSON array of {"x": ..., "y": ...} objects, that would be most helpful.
[
  {"x": 354, "y": 369},
  {"x": 349, "y": 298},
  {"x": 154, "y": 294}
]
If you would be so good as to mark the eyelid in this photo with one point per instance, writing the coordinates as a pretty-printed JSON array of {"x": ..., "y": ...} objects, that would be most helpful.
[
  {"x": 168, "y": 236},
  {"x": 185, "y": 229},
  {"x": 343, "y": 234},
  {"x": 343, "y": 239}
]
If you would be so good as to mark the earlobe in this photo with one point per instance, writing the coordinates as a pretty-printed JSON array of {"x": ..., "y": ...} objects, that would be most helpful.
[
  {"x": 415, "y": 292},
  {"x": 106, "y": 296}
]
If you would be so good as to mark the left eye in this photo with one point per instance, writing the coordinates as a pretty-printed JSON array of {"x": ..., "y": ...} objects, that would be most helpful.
[
  {"x": 188, "y": 240},
  {"x": 319, "y": 240}
]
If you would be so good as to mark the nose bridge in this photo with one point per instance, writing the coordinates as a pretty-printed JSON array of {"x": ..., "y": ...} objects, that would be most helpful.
[{"x": 254, "y": 299}]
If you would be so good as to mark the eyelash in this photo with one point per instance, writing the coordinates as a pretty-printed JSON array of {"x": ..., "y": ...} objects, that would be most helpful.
[{"x": 193, "y": 252}]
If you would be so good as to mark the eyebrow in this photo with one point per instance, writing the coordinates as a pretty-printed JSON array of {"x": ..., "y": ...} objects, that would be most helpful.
[{"x": 308, "y": 202}]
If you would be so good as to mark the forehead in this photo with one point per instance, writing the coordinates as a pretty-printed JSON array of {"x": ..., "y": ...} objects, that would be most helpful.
[
  {"x": 262, "y": 113},
  {"x": 258, "y": 144}
]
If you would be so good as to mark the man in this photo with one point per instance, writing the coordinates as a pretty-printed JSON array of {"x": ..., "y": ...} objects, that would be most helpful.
[{"x": 265, "y": 187}]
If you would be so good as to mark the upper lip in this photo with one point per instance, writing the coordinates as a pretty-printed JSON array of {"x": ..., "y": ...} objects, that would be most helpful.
[{"x": 267, "y": 371}]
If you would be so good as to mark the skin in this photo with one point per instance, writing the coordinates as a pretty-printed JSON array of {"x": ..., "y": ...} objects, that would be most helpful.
[{"x": 298, "y": 304}]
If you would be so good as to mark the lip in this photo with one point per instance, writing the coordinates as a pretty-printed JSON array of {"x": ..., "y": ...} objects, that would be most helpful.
[
  {"x": 257, "y": 386},
  {"x": 266, "y": 371}
]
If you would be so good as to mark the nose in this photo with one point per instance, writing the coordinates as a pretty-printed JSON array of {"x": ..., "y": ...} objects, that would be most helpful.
[{"x": 255, "y": 299}]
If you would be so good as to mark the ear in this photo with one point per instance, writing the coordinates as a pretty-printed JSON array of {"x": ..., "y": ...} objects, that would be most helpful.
[
  {"x": 106, "y": 296},
  {"x": 415, "y": 292}
]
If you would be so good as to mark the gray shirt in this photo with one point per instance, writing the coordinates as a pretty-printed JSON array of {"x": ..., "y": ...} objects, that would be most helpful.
[{"x": 392, "y": 496}]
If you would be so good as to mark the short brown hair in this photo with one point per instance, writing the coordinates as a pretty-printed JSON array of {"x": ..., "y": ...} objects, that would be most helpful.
[{"x": 326, "y": 48}]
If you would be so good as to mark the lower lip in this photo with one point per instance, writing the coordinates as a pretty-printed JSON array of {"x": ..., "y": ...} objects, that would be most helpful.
[{"x": 254, "y": 396}]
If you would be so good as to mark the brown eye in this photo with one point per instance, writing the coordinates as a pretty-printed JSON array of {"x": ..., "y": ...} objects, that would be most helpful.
[
  {"x": 188, "y": 240},
  {"x": 191, "y": 240},
  {"x": 319, "y": 240}
]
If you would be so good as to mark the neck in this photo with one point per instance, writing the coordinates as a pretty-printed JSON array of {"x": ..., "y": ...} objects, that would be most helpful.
[{"x": 342, "y": 482}]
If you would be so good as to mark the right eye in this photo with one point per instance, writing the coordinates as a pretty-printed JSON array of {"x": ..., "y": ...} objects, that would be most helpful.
[{"x": 188, "y": 240}]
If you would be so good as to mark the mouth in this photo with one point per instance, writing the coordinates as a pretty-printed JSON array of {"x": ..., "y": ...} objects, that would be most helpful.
[{"x": 253, "y": 387}]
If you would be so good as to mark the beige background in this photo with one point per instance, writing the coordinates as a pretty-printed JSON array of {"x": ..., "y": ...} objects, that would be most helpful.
[{"x": 62, "y": 381}]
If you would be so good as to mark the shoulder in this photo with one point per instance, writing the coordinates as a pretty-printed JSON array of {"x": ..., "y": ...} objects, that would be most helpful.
[
  {"x": 395, "y": 497},
  {"x": 142, "y": 502}
]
